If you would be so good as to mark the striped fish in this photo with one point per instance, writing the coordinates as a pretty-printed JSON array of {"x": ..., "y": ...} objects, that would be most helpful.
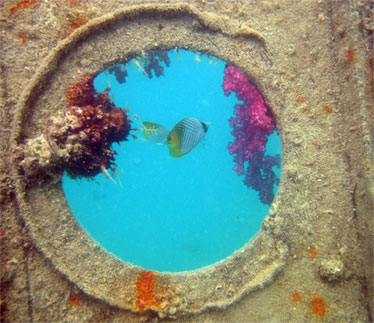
[
  {"x": 186, "y": 135},
  {"x": 155, "y": 132}
]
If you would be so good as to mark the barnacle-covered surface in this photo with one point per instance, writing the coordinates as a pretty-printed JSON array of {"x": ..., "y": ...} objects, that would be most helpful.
[{"x": 312, "y": 258}]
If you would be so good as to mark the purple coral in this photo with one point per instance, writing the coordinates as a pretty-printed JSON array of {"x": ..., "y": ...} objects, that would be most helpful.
[
  {"x": 152, "y": 61},
  {"x": 260, "y": 176},
  {"x": 119, "y": 71},
  {"x": 252, "y": 124}
]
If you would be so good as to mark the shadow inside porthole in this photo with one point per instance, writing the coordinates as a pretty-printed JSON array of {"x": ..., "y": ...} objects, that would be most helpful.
[{"x": 195, "y": 179}]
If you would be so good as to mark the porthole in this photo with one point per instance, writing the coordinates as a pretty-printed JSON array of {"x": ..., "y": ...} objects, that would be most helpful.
[{"x": 164, "y": 210}]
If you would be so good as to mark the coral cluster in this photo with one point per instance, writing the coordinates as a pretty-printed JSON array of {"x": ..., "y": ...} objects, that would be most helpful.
[
  {"x": 78, "y": 138},
  {"x": 119, "y": 71},
  {"x": 101, "y": 122},
  {"x": 152, "y": 60},
  {"x": 150, "y": 64},
  {"x": 252, "y": 124},
  {"x": 260, "y": 176}
]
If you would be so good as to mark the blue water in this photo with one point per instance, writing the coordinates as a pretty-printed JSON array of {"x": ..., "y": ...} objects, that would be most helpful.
[{"x": 171, "y": 214}]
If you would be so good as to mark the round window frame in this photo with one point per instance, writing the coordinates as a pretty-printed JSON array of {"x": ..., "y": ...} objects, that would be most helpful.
[{"x": 55, "y": 230}]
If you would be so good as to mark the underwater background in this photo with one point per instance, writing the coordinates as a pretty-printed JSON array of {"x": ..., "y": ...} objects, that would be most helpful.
[{"x": 165, "y": 213}]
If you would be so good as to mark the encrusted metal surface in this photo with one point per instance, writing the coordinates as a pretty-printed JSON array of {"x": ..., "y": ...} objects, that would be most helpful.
[{"x": 311, "y": 259}]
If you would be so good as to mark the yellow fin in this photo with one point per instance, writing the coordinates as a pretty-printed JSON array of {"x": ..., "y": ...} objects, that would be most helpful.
[{"x": 174, "y": 142}]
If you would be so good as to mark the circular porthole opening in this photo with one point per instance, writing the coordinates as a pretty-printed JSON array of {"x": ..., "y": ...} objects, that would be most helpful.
[{"x": 195, "y": 181}]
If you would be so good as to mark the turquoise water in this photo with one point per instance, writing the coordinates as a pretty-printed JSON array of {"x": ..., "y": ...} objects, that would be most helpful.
[{"x": 165, "y": 213}]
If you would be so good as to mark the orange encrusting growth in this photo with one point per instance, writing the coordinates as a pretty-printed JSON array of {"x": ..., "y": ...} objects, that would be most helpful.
[
  {"x": 300, "y": 99},
  {"x": 77, "y": 22},
  {"x": 75, "y": 2},
  {"x": 351, "y": 56},
  {"x": 25, "y": 4},
  {"x": 327, "y": 109},
  {"x": 22, "y": 38},
  {"x": 74, "y": 300},
  {"x": 145, "y": 287},
  {"x": 319, "y": 307},
  {"x": 296, "y": 297},
  {"x": 312, "y": 250}
]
